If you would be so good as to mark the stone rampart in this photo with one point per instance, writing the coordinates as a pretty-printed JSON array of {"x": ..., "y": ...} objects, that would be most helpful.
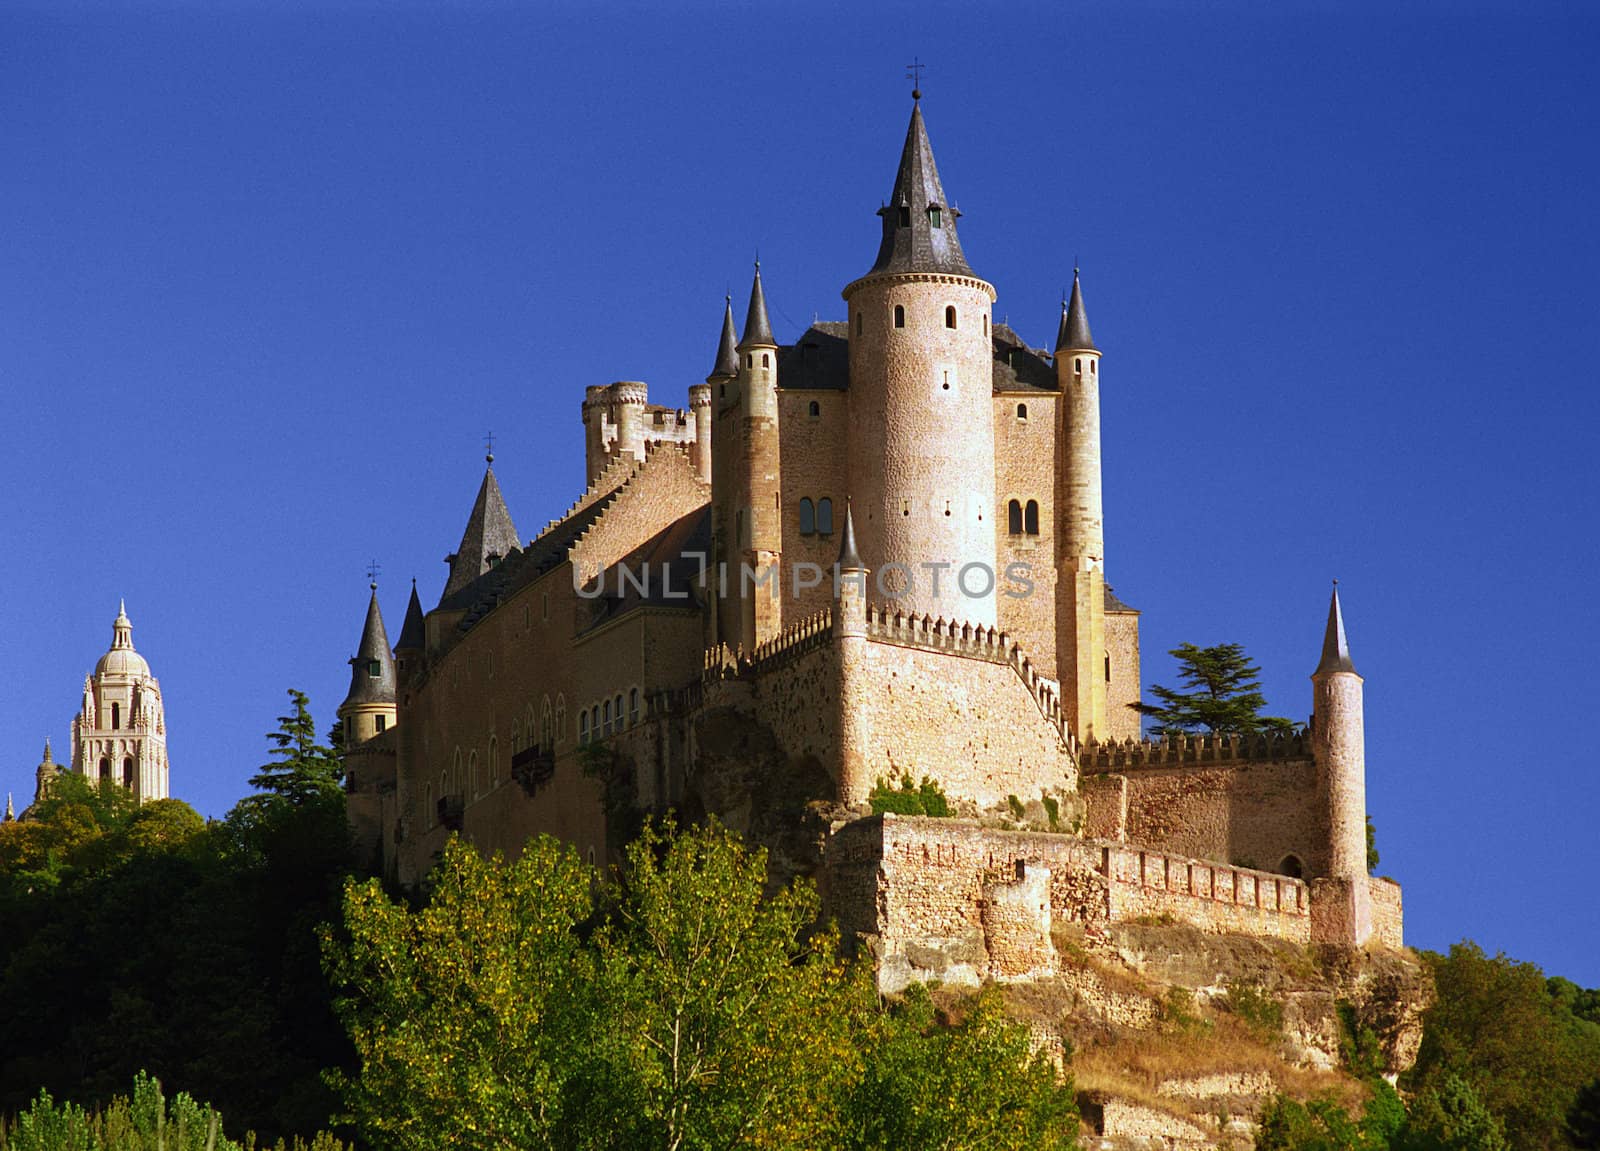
[
  {"x": 953, "y": 900},
  {"x": 1387, "y": 918}
]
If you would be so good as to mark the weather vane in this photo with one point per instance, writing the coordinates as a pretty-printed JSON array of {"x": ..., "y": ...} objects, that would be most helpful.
[
  {"x": 914, "y": 74},
  {"x": 488, "y": 447},
  {"x": 373, "y": 568}
]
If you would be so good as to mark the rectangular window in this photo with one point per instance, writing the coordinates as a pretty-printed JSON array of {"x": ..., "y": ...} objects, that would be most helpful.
[
  {"x": 374, "y": 669},
  {"x": 383, "y": 722}
]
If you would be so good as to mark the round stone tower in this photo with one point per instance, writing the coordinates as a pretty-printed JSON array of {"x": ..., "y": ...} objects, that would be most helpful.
[
  {"x": 921, "y": 436},
  {"x": 1342, "y": 907}
]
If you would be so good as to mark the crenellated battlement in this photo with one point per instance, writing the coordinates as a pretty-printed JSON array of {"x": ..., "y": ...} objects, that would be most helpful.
[
  {"x": 722, "y": 662},
  {"x": 1179, "y": 750}
]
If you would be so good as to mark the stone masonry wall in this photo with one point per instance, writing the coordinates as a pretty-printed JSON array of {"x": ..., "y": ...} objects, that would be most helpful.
[
  {"x": 814, "y": 468},
  {"x": 660, "y": 491},
  {"x": 1024, "y": 469},
  {"x": 925, "y": 891},
  {"x": 1122, "y": 648},
  {"x": 1387, "y": 920}
]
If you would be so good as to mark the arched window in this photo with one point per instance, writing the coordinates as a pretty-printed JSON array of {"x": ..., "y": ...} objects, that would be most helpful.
[
  {"x": 933, "y": 215},
  {"x": 1094, "y": 368},
  {"x": 633, "y": 706},
  {"x": 986, "y": 323},
  {"x": 750, "y": 359},
  {"x": 619, "y": 712},
  {"x": 116, "y": 716},
  {"x": 899, "y": 316},
  {"x": 1108, "y": 667},
  {"x": 808, "y": 517},
  {"x": 455, "y": 775},
  {"x": 594, "y": 721},
  {"x": 583, "y": 728},
  {"x": 1022, "y": 411},
  {"x": 494, "y": 763},
  {"x": 1077, "y": 365},
  {"x": 547, "y": 725},
  {"x": 824, "y": 516},
  {"x": 1292, "y": 867},
  {"x": 766, "y": 361},
  {"x": 472, "y": 776},
  {"x": 127, "y": 771},
  {"x": 1030, "y": 518},
  {"x": 949, "y": 315},
  {"x": 561, "y": 716},
  {"x": 813, "y": 409},
  {"x": 1014, "y": 517},
  {"x": 605, "y": 717}
]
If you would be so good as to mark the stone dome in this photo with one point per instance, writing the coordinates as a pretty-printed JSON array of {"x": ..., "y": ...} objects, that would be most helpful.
[{"x": 122, "y": 660}]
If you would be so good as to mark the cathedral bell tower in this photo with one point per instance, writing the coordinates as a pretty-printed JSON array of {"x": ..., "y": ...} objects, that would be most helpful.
[
  {"x": 120, "y": 733},
  {"x": 921, "y": 435},
  {"x": 1080, "y": 567}
]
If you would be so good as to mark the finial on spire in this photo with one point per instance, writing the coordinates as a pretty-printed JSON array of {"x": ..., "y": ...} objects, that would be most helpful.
[
  {"x": 11, "y": 812},
  {"x": 373, "y": 568},
  {"x": 727, "y": 362},
  {"x": 488, "y": 448},
  {"x": 914, "y": 72},
  {"x": 757, "y": 328},
  {"x": 1073, "y": 335}
]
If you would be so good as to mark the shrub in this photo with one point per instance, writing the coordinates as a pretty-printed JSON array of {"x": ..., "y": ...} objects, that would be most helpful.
[
  {"x": 1258, "y": 1010},
  {"x": 909, "y": 798}
]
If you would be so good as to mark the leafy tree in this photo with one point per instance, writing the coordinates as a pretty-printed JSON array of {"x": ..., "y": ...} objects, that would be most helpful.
[
  {"x": 1583, "y": 1121},
  {"x": 1322, "y": 1125},
  {"x": 922, "y": 1082},
  {"x": 304, "y": 768},
  {"x": 1449, "y": 1116},
  {"x": 1222, "y": 695},
  {"x": 1497, "y": 1027}
]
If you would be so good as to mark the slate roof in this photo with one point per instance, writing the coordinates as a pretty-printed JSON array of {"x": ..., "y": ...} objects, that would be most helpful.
[
  {"x": 413, "y": 632},
  {"x": 757, "y": 329},
  {"x": 364, "y": 686},
  {"x": 820, "y": 361},
  {"x": 1073, "y": 335},
  {"x": 1114, "y": 604},
  {"x": 911, "y": 242},
  {"x": 727, "y": 364},
  {"x": 489, "y": 538},
  {"x": 1019, "y": 368},
  {"x": 1335, "y": 648}
]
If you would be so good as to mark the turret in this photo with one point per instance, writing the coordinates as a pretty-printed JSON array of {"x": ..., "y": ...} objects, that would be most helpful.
[
  {"x": 490, "y": 536},
  {"x": 921, "y": 432},
  {"x": 596, "y": 407},
  {"x": 746, "y": 485},
  {"x": 44, "y": 775},
  {"x": 628, "y": 400},
  {"x": 413, "y": 641},
  {"x": 706, "y": 400},
  {"x": 856, "y": 686},
  {"x": 1080, "y": 588},
  {"x": 369, "y": 706},
  {"x": 1339, "y": 745}
]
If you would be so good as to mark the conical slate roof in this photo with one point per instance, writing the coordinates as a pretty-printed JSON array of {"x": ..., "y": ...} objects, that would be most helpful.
[
  {"x": 757, "y": 331},
  {"x": 912, "y": 241},
  {"x": 489, "y": 538},
  {"x": 849, "y": 557},
  {"x": 727, "y": 365},
  {"x": 1073, "y": 335},
  {"x": 413, "y": 632},
  {"x": 1335, "y": 649},
  {"x": 372, "y": 669}
]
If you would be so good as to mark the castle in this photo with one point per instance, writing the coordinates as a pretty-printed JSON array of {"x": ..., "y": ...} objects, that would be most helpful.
[
  {"x": 120, "y": 731},
  {"x": 872, "y": 555}
]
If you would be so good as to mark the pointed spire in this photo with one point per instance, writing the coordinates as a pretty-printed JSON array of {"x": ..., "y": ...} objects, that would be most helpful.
[
  {"x": 757, "y": 331},
  {"x": 11, "y": 812},
  {"x": 1073, "y": 335},
  {"x": 413, "y": 632},
  {"x": 1335, "y": 649},
  {"x": 727, "y": 365},
  {"x": 372, "y": 669},
  {"x": 849, "y": 557},
  {"x": 490, "y": 537},
  {"x": 919, "y": 224},
  {"x": 49, "y": 758}
]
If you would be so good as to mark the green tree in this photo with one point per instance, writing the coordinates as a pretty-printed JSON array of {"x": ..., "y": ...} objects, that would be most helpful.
[
  {"x": 1322, "y": 1125},
  {"x": 304, "y": 768},
  {"x": 1496, "y": 1026},
  {"x": 1221, "y": 694},
  {"x": 1583, "y": 1121},
  {"x": 1449, "y": 1116}
]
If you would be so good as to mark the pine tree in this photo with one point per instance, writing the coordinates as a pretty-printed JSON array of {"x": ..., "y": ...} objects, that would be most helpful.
[
  {"x": 1224, "y": 695},
  {"x": 305, "y": 768}
]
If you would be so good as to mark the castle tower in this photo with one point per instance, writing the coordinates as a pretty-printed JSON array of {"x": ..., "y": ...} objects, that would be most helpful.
[
  {"x": 745, "y": 483},
  {"x": 369, "y": 706},
  {"x": 921, "y": 435},
  {"x": 490, "y": 535},
  {"x": 700, "y": 449},
  {"x": 596, "y": 409},
  {"x": 628, "y": 400},
  {"x": 409, "y": 649},
  {"x": 1339, "y": 745},
  {"x": 855, "y": 683},
  {"x": 120, "y": 732},
  {"x": 1081, "y": 579}
]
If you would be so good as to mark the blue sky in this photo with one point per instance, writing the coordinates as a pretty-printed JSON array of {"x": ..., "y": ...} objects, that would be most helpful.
[{"x": 271, "y": 271}]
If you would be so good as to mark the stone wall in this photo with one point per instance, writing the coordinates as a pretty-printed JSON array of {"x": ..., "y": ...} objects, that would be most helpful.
[
  {"x": 1024, "y": 469},
  {"x": 950, "y": 899},
  {"x": 1122, "y": 649},
  {"x": 814, "y": 468},
  {"x": 1248, "y": 813},
  {"x": 659, "y": 492},
  {"x": 1387, "y": 918}
]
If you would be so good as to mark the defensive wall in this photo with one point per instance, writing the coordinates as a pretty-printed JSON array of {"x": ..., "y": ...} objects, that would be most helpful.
[
  {"x": 950, "y": 899},
  {"x": 1243, "y": 800}
]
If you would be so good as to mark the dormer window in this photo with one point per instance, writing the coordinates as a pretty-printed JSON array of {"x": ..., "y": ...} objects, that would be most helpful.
[
  {"x": 905, "y": 216},
  {"x": 933, "y": 215},
  {"x": 374, "y": 669}
]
